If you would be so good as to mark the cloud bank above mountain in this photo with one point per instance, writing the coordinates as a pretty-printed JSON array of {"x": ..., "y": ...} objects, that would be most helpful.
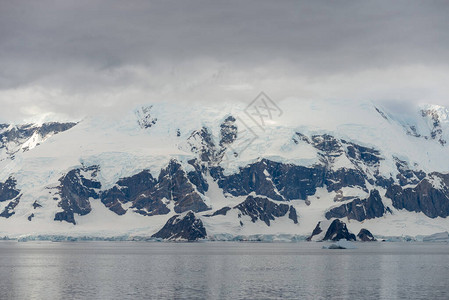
[{"x": 76, "y": 57}]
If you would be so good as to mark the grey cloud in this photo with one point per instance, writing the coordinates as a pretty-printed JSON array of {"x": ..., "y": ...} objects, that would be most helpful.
[{"x": 85, "y": 47}]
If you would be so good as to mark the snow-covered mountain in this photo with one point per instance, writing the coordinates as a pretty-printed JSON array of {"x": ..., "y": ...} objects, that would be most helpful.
[
  {"x": 229, "y": 171},
  {"x": 15, "y": 138}
]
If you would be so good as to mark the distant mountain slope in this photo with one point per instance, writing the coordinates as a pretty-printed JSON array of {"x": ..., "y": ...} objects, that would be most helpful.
[
  {"x": 15, "y": 138},
  {"x": 235, "y": 169}
]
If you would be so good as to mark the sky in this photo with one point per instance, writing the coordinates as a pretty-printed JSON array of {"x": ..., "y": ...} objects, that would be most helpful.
[{"x": 75, "y": 57}]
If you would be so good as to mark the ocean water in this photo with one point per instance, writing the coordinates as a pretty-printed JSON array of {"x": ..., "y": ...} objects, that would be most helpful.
[{"x": 216, "y": 270}]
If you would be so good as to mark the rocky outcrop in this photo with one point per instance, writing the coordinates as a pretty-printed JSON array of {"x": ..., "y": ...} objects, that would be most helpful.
[
  {"x": 277, "y": 181},
  {"x": 258, "y": 208},
  {"x": 222, "y": 211},
  {"x": 228, "y": 131},
  {"x": 16, "y": 138},
  {"x": 406, "y": 174},
  {"x": 430, "y": 196},
  {"x": 331, "y": 148},
  {"x": 54, "y": 128},
  {"x": 365, "y": 235},
  {"x": 202, "y": 144},
  {"x": 292, "y": 215},
  {"x": 182, "y": 228},
  {"x": 316, "y": 231},
  {"x": 8, "y": 190},
  {"x": 36, "y": 204},
  {"x": 436, "y": 131},
  {"x": 8, "y": 211},
  {"x": 66, "y": 216},
  {"x": 197, "y": 176},
  {"x": 75, "y": 189},
  {"x": 365, "y": 161},
  {"x": 337, "y": 231},
  {"x": 173, "y": 184},
  {"x": 335, "y": 180},
  {"x": 145, "y": 118},
  {"x": 149, "y": 196},
  {"x": 328, "y": 145},
  {"x": 359, "y": 209},
  {"x": 358, "y": 153},
  {"x": 129, "y": 189}
]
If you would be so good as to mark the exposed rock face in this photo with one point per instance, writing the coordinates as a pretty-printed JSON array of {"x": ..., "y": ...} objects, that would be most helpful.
[
  {"x": 36, "y": 204},
  {"x": 362, "y": 158},
  {"x": 67, "y": 216},
  {"x": 8, "y": 189},
  {"x": 21, "y": 137},
  {"x": 338, "y": 231},
  {"x": 331, "y": 148},
  {"x": 201, "y": 143},
  {"x": 436, "y": 129},
  {"x": 357, "y": 153},
  {"x": 328, "y": 144},
  {"x": 54, "y": 128},
  {"x": 177, "y": 228},
  {"x": 144, "y": 117},
  {"x": 149, "y": 196},
  {"x": 131, "y": 189},
  {"x": 228, "y": 131},
  {"x": 197, "y": 177},
  {"x": 430, "y": 196},
  {"x": 113, "y": 199},
  {"x": 9, "y": 209},
  {"x": 434, "y": 117},
  {"x": 75, "y": 189},
  {"x": 275, "y": 180},
  {"x": 265, "y": 210},
  {"x": 292, "y": 215},
  {"x": 369, "y": 208},
  {"x": 406, "y": 174},
  {"x": 365, "y": 235},
  {"x": 222, "y": 211},
  {"x": 9, "y": 192},
  {"x": 174, "y": 184},
  {"x": 318, "y": 230},
  {"x": 335, "y": 231},
  {"x": 335, "y": 180}
]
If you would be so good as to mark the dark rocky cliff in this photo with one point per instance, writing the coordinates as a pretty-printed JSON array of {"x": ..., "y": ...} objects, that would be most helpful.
[
  {"x": 148, "y": 195},
  {"x": 360, "y": 209},
  {"x": 430, "y": 196},
  {"x": 258, "y": 208},
  {"x": 75, "y": 190},
  {"x": 179, "y": 228}
]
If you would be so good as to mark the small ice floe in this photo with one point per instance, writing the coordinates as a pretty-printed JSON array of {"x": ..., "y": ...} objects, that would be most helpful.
[{"x": 341, "y": 244}]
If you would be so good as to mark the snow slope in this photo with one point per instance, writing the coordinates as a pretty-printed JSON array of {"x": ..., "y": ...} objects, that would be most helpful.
[{"x": 147, "y": 138}]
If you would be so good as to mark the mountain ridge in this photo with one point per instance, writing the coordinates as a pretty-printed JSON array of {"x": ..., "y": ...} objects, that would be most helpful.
[{"x": 129, "y": 177}]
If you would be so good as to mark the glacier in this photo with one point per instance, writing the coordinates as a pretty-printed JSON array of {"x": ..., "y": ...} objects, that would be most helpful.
[{"x": 335, "y": 153}]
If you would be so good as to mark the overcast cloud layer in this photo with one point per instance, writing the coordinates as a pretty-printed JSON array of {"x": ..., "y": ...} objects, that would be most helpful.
[{"x": 75, "y": 57}]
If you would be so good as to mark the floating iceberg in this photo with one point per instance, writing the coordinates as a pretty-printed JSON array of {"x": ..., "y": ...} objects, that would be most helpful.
[{"x": 341, "y": 244}]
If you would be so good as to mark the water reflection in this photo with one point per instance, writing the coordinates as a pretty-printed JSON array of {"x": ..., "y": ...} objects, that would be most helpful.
[{"x": 107, "y": 270}]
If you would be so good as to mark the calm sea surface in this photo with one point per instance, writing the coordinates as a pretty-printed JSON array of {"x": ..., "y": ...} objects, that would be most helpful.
[{"x": 213, "y": 270}]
